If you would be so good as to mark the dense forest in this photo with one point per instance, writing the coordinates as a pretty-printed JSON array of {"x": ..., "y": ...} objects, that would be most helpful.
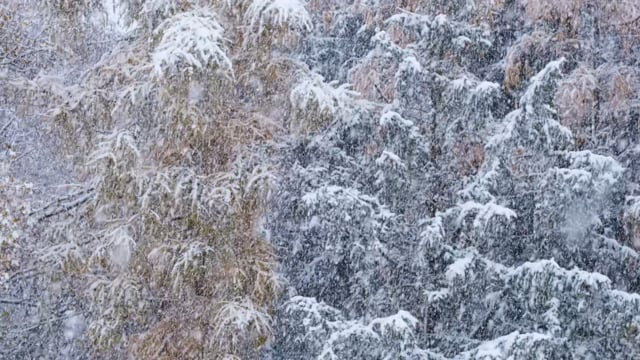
[{"x": 320, "y": 179}]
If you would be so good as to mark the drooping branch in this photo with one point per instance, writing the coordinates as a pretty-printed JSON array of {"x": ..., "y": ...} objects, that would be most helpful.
[{"x": 63, "y": 204}]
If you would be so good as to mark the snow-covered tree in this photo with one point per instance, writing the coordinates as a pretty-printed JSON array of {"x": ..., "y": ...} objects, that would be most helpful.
[{"x": 501, "y": 226}]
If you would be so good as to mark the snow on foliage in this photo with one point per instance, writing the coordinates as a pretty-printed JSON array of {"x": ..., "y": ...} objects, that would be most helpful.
[
  {"x": 556, "y": 278},
  {"x": 165, "y": 7},
  {"x": 484, "y": 212},
  {"x": 511, "y": 346},
  {"x": 191, "y": 41},
  {"x": 117, "y": 147},
  {"x": 537, "y": 92},
  {"x": 118, "y": 247},
  {"x": 237, "y": 318},
  {"x": 267, "y": 17},
  {"x": 505, "y": 131},
  {"x": 606, "y": 168},
  {"x": 334, "y": 337},
  {"x": 117, "y": 301},
  {"x": 336, "y": 195},
  {"x": 401, "y": 323},
  {"x": 329, "y": 97},
  {"x": 458, "y": 268},
  {"x": 189, "y": 260}
]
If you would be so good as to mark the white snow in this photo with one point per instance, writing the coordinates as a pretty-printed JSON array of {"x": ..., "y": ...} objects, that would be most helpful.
[
  {"x": 335, "y": 195},
  {"x": 402, "y": 322},
  {"x": 196, "y": 92},
  {"x": 506, "y": 130},
  {"x": 560, "y": 276},
  {"x": 552, "y": 69},
  {"x": 627, "y": 297},
  {"x": 501, "y": 348},
  {"x": 74, "y": 325},
  {"x": 191, "y": 39},
  {"x": 391, "y": 158},
  {"x": 606, "y": 168},
  {"x": 437, "y": 295},
  {"x": 278, "y": 13},
  {"x": 459, "y": 268},
  {"x": 485, "y": 87},
  {"x": 114, "y": 146},
  {"x": 410, "y": 64},
  {"x": 235, "y": 317},
  {"x": 331, "y": 97},
  {"x": 484, "y": 212},
  {"x": 461, "y": 41},
  {"x": 121, "y": 246}
]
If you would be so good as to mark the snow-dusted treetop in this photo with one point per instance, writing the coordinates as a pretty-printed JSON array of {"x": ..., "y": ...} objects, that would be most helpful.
[
  {"x": 330, "y": 97},
  {"x": 265, "y": 16},
  {"x": 191, "y": 40}
]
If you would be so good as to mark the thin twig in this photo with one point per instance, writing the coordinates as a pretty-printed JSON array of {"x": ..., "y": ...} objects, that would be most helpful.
[
  {"x": 61, "y": 200},
  {"x": 21, "y": 156},
  {"x": 16, "y": 302},
  {"x": 5, "y": 127},
  {"x": 381, "y": 94},
  {"x": 66, "y": 207}
]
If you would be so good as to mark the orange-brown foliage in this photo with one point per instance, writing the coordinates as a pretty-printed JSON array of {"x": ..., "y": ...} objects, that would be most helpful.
[
  {"x": 400, "y": 36},
  {"x": 520, "y": 57},
  {"x": 469, "y": 156},
  {"x": 177, "y": 338},
  {"x": 375, "y": 79},
  {"x": 486, "y": 11},
  {"x": 564, "y": 13},
  {"x": 576, "y": 100}
]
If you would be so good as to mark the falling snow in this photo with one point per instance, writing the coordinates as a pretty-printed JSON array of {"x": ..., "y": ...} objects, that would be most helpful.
[{"x": 320, "y": 179}]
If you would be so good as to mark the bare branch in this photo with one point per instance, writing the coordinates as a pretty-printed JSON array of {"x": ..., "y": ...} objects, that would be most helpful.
[{"x": 17, "y": 302}]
